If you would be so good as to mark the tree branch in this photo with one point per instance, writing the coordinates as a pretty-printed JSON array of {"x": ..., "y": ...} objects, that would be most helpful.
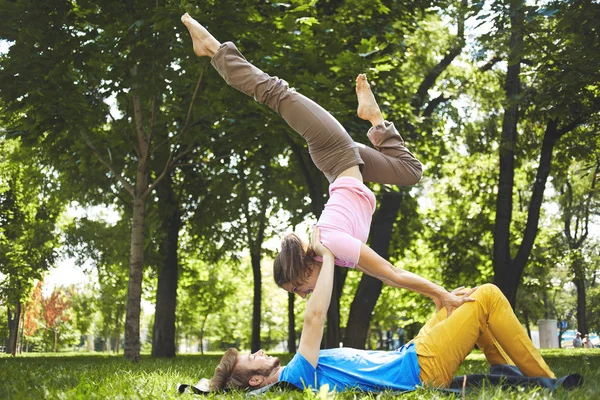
[
  {"x": 432, "y": 105},
  {"x": 490, "y": 64},
  {"x": 172, "y": 160},
  {"x": 429, "y": 80},
  {"x": 535, "y": 203},
  {"x": 189, "y": 113},
  {"x": 168, "y": 165},
  {"x": 107, "y": 164},
  {"x": 567, "y": 218}
]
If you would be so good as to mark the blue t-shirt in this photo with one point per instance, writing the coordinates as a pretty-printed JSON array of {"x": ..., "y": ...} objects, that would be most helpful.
[{"x": 347, "y": 368}]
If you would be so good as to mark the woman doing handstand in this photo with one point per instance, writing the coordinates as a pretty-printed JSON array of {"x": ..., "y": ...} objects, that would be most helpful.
[{"x": 344, "y": 223}]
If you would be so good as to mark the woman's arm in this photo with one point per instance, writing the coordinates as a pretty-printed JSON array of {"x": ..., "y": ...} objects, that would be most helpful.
[
  {"x": 373, "y": 264},
  {"x": 318, "y": 304}
]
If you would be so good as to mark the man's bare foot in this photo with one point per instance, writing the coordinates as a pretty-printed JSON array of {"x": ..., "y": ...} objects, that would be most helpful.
[
  {"x": 368, "y": 109},
  {"x": 204, "y": 43}
]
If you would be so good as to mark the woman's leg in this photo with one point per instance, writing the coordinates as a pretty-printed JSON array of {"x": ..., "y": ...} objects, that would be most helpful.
[
  {"x": 330, "y": 146},
  {"x": 446, "y": 344},
  {"x": 392, "y": 162}
]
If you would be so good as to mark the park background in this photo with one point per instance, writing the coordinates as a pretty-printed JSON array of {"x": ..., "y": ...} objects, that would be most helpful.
[{"x": 128, "y": 158}]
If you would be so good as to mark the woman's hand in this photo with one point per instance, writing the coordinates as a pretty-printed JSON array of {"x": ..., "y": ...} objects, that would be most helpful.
[
  {"x": 316, "y": 245},
  {"x": 454, "y": 299}
]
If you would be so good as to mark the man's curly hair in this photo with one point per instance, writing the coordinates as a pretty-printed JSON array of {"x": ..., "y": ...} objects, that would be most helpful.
[{"x": 226, "y": 377}]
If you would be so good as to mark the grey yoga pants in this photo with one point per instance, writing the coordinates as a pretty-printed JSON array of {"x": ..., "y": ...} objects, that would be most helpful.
[{"x": 330, "y": 146}]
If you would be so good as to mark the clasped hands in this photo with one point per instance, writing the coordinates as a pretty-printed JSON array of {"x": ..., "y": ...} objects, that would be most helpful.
[{"x": 316, "y": 245}]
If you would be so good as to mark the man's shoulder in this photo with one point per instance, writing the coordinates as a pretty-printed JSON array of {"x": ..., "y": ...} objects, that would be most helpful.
[{"x": 297, "y": 372}]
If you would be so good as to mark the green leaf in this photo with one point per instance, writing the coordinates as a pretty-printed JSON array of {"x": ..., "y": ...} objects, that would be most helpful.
[{"x": 307, "y": 21}]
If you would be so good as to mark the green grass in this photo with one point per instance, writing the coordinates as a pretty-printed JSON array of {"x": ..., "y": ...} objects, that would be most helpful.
[{"x": 100, "y": 376}]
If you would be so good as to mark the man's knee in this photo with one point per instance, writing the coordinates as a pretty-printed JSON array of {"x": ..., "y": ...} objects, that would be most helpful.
[
  {"x": 490, "y": 288},
  {"x": 489, "y": 291}
]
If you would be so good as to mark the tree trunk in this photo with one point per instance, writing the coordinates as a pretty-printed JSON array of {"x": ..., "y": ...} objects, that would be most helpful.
[
  {"x": 333, "y": 335},
  {"x": 13, "y": 329},
  {"x": 202, "y": 334},
  {"x": 507, "y": 271},
  {"x": 138, "y": 224},
  {"x": 256, "y": 311},
  {"x": 369, "y": 288},
  {"x": 380, "y": 340},
  {"x": 526, "y": 317},
  {"x": 504, "y": 270},
  {"x": 255, "y": 246},
  {"x": 291, "y": 324},
  {"x": 55, "y": 339},
  {"x": 579, "y": 281},
  {"x": 163, "y": 337},
  {"x": 21, "y": 341},
  {"x": 134, "y": 293}
]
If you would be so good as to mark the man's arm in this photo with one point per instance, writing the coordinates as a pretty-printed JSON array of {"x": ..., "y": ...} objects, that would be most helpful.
[{"x": 317, "y": 305}]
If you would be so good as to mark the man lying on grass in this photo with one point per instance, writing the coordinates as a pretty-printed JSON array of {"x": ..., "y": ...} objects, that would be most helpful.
[{"x": 430, "y": 359}]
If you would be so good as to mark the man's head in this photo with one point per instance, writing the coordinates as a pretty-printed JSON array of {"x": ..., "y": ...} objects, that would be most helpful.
[
  {"x": 294, "y": 268},
  {"x": 241, "y": 371}
]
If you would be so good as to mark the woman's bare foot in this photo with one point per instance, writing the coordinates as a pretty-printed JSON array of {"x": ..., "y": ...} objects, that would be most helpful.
[
  {"x": 204, "y": 43},
  {"x": 368, "y": 109}
]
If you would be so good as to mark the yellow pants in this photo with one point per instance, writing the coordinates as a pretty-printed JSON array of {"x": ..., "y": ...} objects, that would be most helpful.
[{"x": 443, "y": 343}]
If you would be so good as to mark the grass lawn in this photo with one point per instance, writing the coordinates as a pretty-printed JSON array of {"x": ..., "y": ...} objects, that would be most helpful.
[{"x": 99, "y": 376}]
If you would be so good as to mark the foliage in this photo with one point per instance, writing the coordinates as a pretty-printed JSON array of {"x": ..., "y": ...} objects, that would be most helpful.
[
  {"x": 103, "y": 246},
  {"x": 48, "y": 319},
  {"x": 203, "y": 299},
  {"x": 83, "y": 301},
  {"x": 215, "y": 303},
  {"x": 33, "y": 311},
  {"x": 30, "y": 204},
  {"x": 56, "y": 312}
]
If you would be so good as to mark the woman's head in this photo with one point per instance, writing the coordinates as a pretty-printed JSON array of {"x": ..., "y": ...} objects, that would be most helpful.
[{"x": 294, "y": 265}]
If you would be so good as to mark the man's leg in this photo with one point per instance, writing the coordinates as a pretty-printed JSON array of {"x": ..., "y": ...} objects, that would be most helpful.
[
  {"x": 487, "y": 343},
  {"x": 493, "y": 352},
  {"x": 391, "y": 162},
  {"x": 442, "y": 348}
]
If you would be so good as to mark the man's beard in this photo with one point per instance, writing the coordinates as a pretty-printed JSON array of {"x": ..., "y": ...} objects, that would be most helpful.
[{"x": 269, "y": 370}]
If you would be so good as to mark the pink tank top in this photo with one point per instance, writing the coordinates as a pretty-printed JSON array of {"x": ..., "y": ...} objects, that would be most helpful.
[{"x": 346, "y": 220}]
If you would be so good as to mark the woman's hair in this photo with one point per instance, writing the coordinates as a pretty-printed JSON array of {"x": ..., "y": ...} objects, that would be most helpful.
[
  {"x": 226, "y": 376},
  {"x": 292, "y": 263}
]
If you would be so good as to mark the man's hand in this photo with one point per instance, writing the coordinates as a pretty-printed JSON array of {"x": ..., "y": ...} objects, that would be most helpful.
[
  {"x": 315, "y": 243},
  {"x": 454, "y": 299}
]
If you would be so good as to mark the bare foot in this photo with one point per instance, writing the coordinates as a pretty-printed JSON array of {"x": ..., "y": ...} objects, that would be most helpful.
[
  {"x": 204, "y": 43},
  {"x": 367, "y": 105}
]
